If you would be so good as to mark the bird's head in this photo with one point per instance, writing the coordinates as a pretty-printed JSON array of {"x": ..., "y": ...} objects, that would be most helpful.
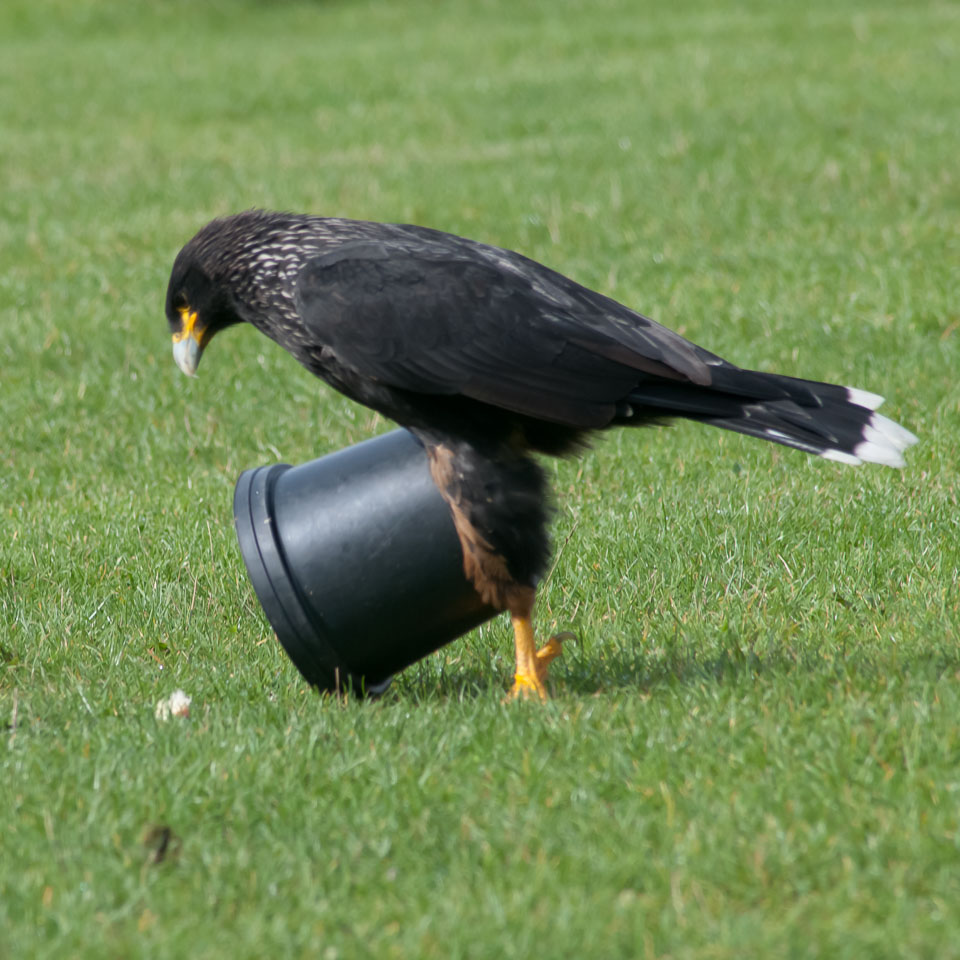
[
  {"x": 238, "y": 269},
  {"x": 198, "y": 306}
]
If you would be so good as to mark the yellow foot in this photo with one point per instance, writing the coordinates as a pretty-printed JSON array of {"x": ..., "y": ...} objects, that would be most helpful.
[{"x": 532, "y": 663}]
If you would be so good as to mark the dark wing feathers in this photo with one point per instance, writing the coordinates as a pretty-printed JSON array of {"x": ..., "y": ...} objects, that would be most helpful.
[
  {"x": 634, "y": 340},
  {"x": 443, "y": 321}
]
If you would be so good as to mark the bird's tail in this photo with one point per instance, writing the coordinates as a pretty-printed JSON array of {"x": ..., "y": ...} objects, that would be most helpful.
[{"x": 838, "y": 423}]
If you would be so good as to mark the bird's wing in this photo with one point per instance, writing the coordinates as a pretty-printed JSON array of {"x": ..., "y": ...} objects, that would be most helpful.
[{"x": 508, "y": 332}]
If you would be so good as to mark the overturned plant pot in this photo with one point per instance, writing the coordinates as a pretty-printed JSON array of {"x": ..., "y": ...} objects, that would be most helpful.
[{"x": 355, "y": 561}]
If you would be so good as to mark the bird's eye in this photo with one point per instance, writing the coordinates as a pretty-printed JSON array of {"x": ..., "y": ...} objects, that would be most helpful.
[{"x": 180, "y": 302}]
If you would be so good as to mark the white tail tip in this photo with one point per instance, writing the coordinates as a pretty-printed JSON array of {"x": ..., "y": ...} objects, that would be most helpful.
[{"x": 864, "y": 398}]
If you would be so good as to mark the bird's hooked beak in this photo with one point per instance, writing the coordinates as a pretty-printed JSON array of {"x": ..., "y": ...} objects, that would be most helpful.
[{"x": 189, "y": 341}]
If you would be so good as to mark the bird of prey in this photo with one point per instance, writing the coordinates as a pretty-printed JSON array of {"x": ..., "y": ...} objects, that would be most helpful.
[{"x": 488, "y": 357}]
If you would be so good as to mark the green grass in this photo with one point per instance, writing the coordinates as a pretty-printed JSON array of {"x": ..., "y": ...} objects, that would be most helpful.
[{"x": 754, "y": 751}]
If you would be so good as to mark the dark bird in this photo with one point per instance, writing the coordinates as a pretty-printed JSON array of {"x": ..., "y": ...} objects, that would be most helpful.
[{"x": 489, "y": 357}]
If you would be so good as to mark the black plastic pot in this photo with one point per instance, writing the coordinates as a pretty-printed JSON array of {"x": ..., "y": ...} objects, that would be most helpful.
[{"x": 355, "y": 561}]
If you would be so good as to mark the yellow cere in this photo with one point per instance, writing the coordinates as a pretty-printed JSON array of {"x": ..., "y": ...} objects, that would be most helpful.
[{"x": 188, "y": 318}]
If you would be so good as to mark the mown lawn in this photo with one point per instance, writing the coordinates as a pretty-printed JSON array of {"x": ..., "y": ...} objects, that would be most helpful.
[{"x": 754, "y": 750}]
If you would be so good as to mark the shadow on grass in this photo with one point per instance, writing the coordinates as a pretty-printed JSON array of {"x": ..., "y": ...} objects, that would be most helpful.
[{"x": 584, "y": 675}]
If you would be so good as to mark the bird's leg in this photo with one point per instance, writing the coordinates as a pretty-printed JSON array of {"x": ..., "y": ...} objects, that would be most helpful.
[
  {"x": 531, "y": 662},
  {"x": 496, "y": 498}
]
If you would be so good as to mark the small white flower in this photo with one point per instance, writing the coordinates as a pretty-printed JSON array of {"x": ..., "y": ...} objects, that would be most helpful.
[{"x": 176, "y": 705}]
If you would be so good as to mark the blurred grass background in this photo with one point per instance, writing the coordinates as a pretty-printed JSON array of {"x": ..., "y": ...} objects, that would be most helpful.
[{"x": 754, "y": 749}]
